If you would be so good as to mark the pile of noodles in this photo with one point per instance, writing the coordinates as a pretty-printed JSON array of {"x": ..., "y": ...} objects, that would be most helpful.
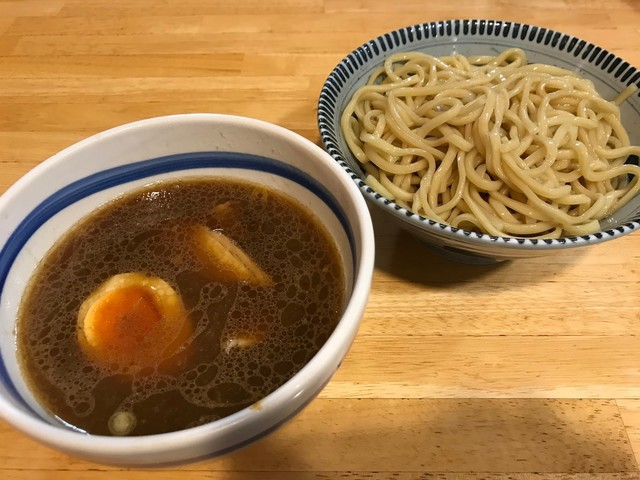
[{"x": 492, "y": 144}]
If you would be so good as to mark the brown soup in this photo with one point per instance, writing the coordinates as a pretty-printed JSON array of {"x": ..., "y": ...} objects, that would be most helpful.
[{"x": 176, "y": 305}]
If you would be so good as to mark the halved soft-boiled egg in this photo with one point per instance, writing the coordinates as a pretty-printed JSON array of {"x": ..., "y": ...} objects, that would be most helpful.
[{"x": 132, "y": 320}]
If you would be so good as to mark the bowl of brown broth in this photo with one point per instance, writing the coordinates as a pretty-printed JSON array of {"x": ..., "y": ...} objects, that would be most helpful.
[{"x": 188, "y": 279}]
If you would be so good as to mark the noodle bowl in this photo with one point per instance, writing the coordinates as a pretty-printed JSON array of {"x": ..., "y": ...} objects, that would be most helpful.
[{"x": 492, "y": 144}]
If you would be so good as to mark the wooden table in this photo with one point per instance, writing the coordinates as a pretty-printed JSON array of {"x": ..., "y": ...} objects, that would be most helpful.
[{"x": 458, "y": 371}]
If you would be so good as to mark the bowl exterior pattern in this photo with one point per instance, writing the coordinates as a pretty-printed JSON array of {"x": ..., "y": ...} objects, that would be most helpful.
[{"x": 609, "y": 73}]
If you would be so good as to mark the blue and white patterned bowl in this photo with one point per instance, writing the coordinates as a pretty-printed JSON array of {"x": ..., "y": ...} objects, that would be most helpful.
[
  {"x": 609, "y": 73},
  {"x": 42, "y": 205}
]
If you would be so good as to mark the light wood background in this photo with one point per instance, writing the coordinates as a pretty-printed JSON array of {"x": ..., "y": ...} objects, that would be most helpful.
[{"x": 521, "y": 370}]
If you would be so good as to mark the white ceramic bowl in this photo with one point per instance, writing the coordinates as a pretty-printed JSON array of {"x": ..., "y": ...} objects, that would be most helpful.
[
  {"x": 609, "y": 73},
  {"x": 44, "y": 203}
]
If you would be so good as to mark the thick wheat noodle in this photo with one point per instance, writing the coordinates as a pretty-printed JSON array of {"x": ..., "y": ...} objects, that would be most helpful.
[{"x": 492, "y": 144}]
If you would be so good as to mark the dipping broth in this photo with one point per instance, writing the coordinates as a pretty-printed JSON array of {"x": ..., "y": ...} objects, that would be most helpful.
[{"x": 176, "y": 305}]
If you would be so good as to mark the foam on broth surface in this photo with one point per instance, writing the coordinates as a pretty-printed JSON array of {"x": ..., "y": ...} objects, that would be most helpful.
[{"x": 247, "y": 339}]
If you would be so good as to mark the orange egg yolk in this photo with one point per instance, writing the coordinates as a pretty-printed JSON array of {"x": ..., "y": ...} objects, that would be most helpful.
[
  {"x": 126, "y": 318},
  {"x": 133, "y": 320}
]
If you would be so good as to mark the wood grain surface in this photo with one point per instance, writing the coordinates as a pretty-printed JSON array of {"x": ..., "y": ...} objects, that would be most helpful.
[{"x": 523, "y": 370}]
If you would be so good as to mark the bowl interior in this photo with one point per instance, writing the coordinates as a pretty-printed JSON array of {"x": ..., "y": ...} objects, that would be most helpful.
[
  {"x": 60, "y": 211},
  {"x": 610, "y": 75}
]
